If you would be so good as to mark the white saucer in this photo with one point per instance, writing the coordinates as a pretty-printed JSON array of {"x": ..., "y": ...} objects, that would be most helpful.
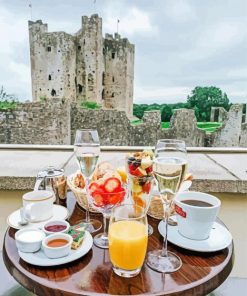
[
  {"x": 219, "y": 238},
  {"x": 39, "y": 258},
  {"x": 59, "y": 213}
]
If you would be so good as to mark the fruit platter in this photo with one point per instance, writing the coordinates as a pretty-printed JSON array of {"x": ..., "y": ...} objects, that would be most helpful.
[{"x": 140, "y": 164}]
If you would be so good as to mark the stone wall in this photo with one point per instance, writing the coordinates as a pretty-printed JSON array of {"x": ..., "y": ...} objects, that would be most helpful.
[
  {"x": 55, "y": 122},
  {"x": 36, "y": 123},
  {"x": 229, "y": 134},
  {"x": 243, "y": 136}
]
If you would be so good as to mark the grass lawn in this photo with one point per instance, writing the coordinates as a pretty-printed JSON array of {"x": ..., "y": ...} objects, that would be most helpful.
[{"x": 206, "y": 126}]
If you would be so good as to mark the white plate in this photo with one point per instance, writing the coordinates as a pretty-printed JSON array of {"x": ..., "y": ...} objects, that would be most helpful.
[
  {"x": 59, "y": 213},
  {"x": 219, "y": 238},
  {"x": 39, "y": 258}
]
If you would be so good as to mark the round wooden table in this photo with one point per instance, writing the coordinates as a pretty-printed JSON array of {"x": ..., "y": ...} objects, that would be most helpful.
[{"x": 93, "y": 275}]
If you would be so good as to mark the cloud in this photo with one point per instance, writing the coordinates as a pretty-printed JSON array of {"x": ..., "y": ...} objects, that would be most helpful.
[
  {"x": 134, "y": 21},
  {"x": 14, "y": 73},
  {"x": 216, "y": 38},
  {"x": 161, "y": 94},
  {"x": 180, "y": 11}
]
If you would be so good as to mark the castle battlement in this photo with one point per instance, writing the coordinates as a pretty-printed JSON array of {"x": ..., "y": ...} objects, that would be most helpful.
[{"x": 82, "y": 67}]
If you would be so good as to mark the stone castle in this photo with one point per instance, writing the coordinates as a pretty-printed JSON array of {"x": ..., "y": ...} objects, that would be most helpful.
[{"x": 82, "y": 67}]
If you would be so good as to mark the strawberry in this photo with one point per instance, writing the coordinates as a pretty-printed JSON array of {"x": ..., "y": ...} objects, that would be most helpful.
[
  {"x": 139, "y": 172},
  {"x": 98, "y": 198},
  {"x": 146, "y": 187},
  {"x": 112, "y": 184},
  {"x": 117, "y": 197},
  {"x": 93, "y": 186},
  {"x": 149, "y": 169},
  {"x": 132, "y": 168}
]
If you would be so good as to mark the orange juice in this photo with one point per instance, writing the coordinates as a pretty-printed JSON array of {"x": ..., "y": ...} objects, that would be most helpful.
[{"x": 127, "y": 244}]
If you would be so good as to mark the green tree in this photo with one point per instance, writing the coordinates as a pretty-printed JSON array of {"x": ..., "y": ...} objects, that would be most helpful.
[
  {"x": 203, "y": 98},
  {"x": 7, "y": 101}
]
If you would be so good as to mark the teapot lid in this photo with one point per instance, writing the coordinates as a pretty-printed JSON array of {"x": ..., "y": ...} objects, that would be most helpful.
[{"x": 51, "y": 172}]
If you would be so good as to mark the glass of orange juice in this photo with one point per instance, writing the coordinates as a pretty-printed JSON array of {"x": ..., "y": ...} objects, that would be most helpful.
[{"x": 128, "y": 238}]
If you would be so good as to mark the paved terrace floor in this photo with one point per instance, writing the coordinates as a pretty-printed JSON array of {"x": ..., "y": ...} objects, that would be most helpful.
[{"x": 222, "y": 171}]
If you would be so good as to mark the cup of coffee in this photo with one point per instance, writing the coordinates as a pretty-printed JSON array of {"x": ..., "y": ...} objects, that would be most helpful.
[
  {"x": 196, "y": 212},
  {"x": 38, "y": 205}
]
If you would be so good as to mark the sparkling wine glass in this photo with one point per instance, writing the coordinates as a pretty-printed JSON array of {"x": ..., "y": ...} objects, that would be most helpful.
[
  {"x": 170, "y": 166},
  {"x": 87, "y": 150}
]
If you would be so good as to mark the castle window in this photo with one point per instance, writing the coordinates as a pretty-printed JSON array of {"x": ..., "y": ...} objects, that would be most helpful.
[
  {"x": 103, "y": 51},
  {"x": 84, "y": 42},
  {"x": 79, "y": 47},
  {"x": 113, "y": 79},
  {"x": 113, "y": 95},
  {"x": 113, "y": 55},
  {"x": 103, "y": 94},
  {"x": 40, "y": 89},
  {"x": 103, "y": 78},
  {"x": 59, "y": 50},
  {"x": 53, "y": 92},
  {"x": 61, "y": 89},
  {"x": 48, "y": 48},
  {"x": 58, "y": 70},
  {"x": 49, "y": 77},
  {"x": 80, "y": 88}
]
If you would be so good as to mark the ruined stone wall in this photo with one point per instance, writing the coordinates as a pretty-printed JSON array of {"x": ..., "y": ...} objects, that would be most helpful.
[
  {"x": 55, "y": 122},
  {"x": 229, "y": 134},
  {"x": 112, "y": 125},
  {"x": 218, "y": 114},
  {"x": 36, "y": 123},
  {"x": 243, "y": 135},
  {"x": 183, "y": 126}
]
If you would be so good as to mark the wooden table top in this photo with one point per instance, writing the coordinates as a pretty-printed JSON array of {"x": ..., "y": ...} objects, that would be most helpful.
[{"x": 93, "y": 275}]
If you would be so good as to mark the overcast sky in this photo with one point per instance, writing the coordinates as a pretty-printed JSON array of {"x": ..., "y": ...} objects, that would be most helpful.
[{"x": 179, "y": 44}]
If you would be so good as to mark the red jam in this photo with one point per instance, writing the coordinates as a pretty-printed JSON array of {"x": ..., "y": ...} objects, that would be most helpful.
[{"x": 55, "y": 228}]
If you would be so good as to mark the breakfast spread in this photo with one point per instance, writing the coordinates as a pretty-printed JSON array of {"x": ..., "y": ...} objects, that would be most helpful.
[{"x": 140, "y": 164}]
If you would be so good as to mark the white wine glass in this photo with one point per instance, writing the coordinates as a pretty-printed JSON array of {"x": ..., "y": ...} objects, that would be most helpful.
[
  {"x": 170, "y": 166},
  {"x": 87, "y": 150}
]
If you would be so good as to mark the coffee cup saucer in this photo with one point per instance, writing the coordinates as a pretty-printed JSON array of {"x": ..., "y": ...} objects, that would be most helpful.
[
  {"x": 219, "y": 238},
  {"x": 59, "y": 213}
]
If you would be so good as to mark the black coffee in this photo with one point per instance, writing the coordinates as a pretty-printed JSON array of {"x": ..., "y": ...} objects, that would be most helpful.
[{"x": 196, "y": 203}]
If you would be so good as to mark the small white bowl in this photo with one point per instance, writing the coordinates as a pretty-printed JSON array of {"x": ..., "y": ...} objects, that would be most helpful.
[
  {"x": 57, "y": 252},
  {"x": 29, "y": 240},
  {"x": 56, "y": 222}
]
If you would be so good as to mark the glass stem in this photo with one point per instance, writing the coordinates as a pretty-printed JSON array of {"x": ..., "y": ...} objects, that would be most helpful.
[
  {"x": 106, "y": 220},
  {"x": 88, "y": 198},
  {"x": 166, "y": 207}
]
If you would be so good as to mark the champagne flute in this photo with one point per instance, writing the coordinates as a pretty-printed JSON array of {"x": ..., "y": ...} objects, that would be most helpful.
[
  {"x": 87, "y": 150},
  {"x": 169, "y": 169}
]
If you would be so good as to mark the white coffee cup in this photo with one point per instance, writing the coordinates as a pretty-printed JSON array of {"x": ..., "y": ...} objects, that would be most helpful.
[
  {"x": 38, "y": 205},
  {"x": 195, "y": 222}
]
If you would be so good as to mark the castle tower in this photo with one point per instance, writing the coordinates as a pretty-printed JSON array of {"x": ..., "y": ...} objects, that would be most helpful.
[
  {"x": 53, "y": 63},
  {"x": 89, "y": 60},
  {"x": 119, "y": 73},
  {"x": 82, "y": 67}
]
